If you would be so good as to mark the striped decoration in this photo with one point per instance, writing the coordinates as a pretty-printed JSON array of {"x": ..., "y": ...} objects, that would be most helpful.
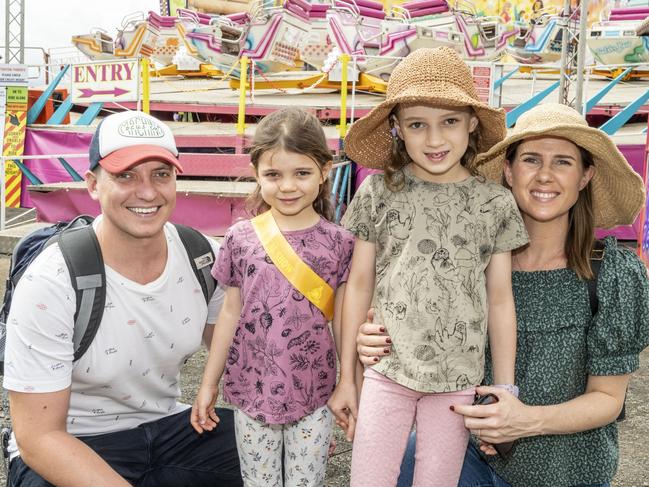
[{"x": 14, "y": 145}]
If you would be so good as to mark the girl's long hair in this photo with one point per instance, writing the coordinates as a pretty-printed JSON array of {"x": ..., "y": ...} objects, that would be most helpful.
[
  {"x": 399, "y": 158},
  {"x": 581, "y": 229},
  {"x": 292, "y": 130}
]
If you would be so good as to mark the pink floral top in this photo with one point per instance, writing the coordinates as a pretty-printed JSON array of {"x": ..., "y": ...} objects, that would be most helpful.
[{"x": 282, "y": 360}]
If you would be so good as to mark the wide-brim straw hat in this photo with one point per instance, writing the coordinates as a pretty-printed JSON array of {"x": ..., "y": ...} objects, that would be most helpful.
[
  {"x": 437, "y": 77},
  {"x": 618, "y": 191}
]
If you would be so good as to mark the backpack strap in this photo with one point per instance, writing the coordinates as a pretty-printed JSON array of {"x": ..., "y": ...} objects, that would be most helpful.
[
  {"x": 201, "y": 257},
  {"x": 596, "y": 257},
  {"x": 82, "y": 255}
]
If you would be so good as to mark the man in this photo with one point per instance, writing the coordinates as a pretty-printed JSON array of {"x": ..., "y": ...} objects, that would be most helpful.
[{"x": 112, "y": 418}]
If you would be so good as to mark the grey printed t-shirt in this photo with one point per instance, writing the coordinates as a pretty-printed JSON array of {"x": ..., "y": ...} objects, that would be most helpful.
[{"x": 433, "y": 244}]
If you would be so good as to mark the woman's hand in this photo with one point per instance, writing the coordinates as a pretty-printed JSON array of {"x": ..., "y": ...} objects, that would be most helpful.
[
  {"x": 499, "y": 422},
  {"x": 372, "y": 341}
]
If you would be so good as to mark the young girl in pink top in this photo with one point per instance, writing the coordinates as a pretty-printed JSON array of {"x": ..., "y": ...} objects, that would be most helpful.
[{"x": 272, "y": 341}]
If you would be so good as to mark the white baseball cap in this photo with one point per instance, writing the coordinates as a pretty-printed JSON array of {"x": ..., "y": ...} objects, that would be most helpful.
[{"x": 125, "y": 139}]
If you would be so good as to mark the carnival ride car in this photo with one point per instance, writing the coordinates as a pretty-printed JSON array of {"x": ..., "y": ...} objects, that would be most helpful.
[
  {"x": 157, "y": 37},
  {"x": 540, "y": 40},
  {"x": 361, "y": 28},
  {"x": 271, "y": 37},
  {"x": 277, "y": 38},
  {"x": 480, "y": 38},
  {"x": 622, "y": 38}
]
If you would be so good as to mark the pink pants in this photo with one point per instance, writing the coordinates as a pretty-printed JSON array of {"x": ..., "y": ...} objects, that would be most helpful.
[{"x": 386, "y": 415}]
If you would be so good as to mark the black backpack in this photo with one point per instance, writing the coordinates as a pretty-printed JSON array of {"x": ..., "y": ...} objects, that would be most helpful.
[{"x": 80, "y": 249}]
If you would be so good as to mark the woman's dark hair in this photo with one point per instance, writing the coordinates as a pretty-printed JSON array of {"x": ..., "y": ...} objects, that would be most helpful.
[
  {"x": 399, "y": 157},
  {"x": 297, "y": 131},
  {"x": 581, "y": 229}
]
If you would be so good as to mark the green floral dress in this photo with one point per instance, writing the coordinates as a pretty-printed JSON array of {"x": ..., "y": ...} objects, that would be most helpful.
[{"x": 559, "y": 346}]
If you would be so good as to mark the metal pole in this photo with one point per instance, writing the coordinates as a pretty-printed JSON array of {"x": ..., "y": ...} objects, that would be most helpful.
[
  {"x": 342, "y": 128},
  {"x": 146, "y": 85},
  {"x": 564, "y": 72},
  {"x": 7, "y": 29},
  {"x": 14, "y": 31},
  {"x": 241, "y": 118},
  {"x": 581, "y": 57},
  {"x": 21, "y": 58}
]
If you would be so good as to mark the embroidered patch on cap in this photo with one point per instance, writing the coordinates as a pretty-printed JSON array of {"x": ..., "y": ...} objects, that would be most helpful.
[{"x": 139, "y": 127}]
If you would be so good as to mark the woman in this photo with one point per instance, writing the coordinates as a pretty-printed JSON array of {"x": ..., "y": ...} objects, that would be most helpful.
[{"x": 572, "y": 368}]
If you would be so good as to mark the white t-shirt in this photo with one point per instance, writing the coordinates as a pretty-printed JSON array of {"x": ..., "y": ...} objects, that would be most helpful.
[{"x": 130, "y": 373}]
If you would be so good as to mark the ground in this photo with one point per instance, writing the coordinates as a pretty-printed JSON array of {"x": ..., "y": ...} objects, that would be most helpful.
[{"x": 634, "y": 454}]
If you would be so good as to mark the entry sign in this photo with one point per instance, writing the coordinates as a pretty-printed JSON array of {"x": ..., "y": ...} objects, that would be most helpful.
[{"x": 112, "y": 81}]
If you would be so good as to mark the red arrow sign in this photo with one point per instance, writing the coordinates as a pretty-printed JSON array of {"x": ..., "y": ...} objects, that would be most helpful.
[{"x": 88, "y": 92}]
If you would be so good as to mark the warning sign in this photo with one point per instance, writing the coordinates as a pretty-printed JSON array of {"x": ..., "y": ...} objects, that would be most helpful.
[
  {"x": 3, "y": 106},
  {"x": 13, "y": 75},
  {"x": 15, "y": 121},
  {"x": 16, "y": 98}
]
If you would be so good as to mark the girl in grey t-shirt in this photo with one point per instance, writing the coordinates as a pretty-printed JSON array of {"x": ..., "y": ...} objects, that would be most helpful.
[{"x": 432, "y": 256}]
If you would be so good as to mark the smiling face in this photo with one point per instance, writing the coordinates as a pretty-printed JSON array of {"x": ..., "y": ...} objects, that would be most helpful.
[
  {"x": 436, "y": 139},
  {"x": 135, "y": 203},
  {"x": 290, "y": 183},
  {"x": 546, "y": 176}
]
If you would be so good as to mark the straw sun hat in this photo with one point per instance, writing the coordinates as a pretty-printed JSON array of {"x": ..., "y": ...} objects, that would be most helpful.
[
  {"x": 427, "y": 76},
  {"x": 618, "y": 192}
]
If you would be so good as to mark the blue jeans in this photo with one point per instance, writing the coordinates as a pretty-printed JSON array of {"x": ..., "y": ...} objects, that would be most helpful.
[
  {"x": 163, "y": 453},
  {"x": 476, "y": 472}
]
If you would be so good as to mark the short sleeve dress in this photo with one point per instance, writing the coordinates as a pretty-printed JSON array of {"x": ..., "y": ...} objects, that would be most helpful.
[
  {"x": 559, "y": 346},
  {"x": 281, "y": 365}
]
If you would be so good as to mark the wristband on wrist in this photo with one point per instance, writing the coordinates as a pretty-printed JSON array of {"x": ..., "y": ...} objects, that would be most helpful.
[{"x": 511, "y": 388}]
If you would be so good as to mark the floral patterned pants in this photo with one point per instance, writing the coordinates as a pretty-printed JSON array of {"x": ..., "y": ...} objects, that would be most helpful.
[{"x": 305, "y": 445}]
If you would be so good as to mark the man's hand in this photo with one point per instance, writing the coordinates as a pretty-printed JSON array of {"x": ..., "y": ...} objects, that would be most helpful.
[{"x": 204, "y": 417}]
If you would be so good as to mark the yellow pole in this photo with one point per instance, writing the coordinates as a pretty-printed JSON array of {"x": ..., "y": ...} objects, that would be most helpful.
[
  {"x": 344, "y": 62},
  {"x": 241, "y": 120},
  {"x": 146, "y": 88}
]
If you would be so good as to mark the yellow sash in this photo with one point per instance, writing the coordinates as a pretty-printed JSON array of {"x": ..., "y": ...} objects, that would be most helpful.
[{"x": 291, "y": 265}]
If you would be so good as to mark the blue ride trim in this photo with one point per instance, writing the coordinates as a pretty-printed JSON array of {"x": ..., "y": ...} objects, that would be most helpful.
[
  {"x": 597, "y": 97},
  {"x": 33, "y": 179},
  {"x": 71, "y": 171},
  {"x": 615, "y": 123},
  {"x": 59, "y": 115},
  {"x": 37, "y": 107},
  {"x": 500, "y": 81},
  {"x": 343, "y": 189},
  {"x": 90, "y": 114},
  {"x": 516, "y": 112},
  {"x": 540, "y": 43}
]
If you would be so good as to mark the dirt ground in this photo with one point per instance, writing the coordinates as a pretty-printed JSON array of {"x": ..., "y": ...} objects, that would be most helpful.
[{"x": 634, "y": 453}]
